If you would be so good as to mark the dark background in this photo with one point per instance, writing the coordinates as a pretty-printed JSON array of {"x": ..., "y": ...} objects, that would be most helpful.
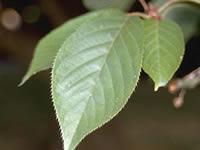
[{"x": 27, "y": 120}]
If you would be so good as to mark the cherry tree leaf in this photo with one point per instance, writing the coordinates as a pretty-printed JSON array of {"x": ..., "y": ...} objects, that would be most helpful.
[
  {"x": 95, "y": 73},
  {"x": 163, "y": 50},
  {"x": 48, "y": 46}
]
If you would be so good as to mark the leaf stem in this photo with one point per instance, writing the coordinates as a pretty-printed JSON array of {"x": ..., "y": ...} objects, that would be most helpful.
[
  {"x": 151, "y": 12},
  {"x": 139, "y": 14}
]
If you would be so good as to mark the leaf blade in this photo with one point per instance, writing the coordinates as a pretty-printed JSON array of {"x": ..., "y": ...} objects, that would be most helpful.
[
  {"x": 98, "y": 79},
  {"x": 49, "y": 45},
  {"x": 163, "y": 50},
  {"x": 183, "y": 13},
  {"x": 187, "y": 16}
]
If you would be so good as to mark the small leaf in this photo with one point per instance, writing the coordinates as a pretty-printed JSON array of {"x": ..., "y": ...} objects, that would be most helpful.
[
  {"x": 163, "y": 50},
  {"x": 99, "y": 4},
  {"x": 94, "y": 74},
  {"x": 48, "y": 46}
]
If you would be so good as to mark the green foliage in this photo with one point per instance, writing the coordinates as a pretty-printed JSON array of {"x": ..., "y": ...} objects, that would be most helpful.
[
  {"x": 94, "y": 74},
  {"x": 187, "y": 16},
  {"x": 48, "y": 46},
  {"x": 98, "y": 58},
  {"x": 99, "y": 4},
  {"x": 163, "y": 50}
]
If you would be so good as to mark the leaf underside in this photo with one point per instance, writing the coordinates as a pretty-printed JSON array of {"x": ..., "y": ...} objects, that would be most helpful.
[
  {"x": 163, "y": 50},
  {"x": 94, "y": 74}
]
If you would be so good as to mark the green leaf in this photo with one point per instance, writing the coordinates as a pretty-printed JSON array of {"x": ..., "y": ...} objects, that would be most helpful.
[
  {"x": 48, "y": 46},
  {"x": 184, "y": 14},
  {"x": 94, "y": 74},
  {"x": 187, "y": 16},
  {"x": 99, "y": 4},
  {"x": 163, "y": 50}
]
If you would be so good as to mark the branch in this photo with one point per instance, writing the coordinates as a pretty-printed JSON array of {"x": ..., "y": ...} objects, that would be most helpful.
[
  {"x": 144, "y": 5},
  {"x": 190, "y": 81}
]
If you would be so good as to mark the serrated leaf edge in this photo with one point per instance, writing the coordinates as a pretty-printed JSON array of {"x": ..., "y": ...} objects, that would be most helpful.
[{"x": 137, "y": 79}]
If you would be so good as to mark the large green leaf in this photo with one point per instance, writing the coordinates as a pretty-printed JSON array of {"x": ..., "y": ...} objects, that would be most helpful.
[
  {"x": 99, "y": 4},
  {"x": 163, "y": 50},
  {"x": 48, "y": 46},
  {"x": 94, "y": 74}
]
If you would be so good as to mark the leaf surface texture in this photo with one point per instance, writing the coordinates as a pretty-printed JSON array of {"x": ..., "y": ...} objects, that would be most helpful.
[{"x": 95, "y": 73}]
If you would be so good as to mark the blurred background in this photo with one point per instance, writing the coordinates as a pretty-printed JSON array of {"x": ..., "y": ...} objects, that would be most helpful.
[{"x": 27, "y": 120}]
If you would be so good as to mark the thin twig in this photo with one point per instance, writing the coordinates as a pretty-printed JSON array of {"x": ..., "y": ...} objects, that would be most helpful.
[
  {"x": 144, "y": 5},
  {"x": 178, "y": 101},
  {"x": 190, "y": 81},
  {"x": 139, "y": 14}
]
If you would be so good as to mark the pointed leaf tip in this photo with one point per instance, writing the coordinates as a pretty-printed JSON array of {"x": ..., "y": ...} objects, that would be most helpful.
[
  {"x": 158, "y": 85},
  {"x": 92, "y": 78},
  {"x": 24, "y": 79},
  {"x": 163, "y": 50}
]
